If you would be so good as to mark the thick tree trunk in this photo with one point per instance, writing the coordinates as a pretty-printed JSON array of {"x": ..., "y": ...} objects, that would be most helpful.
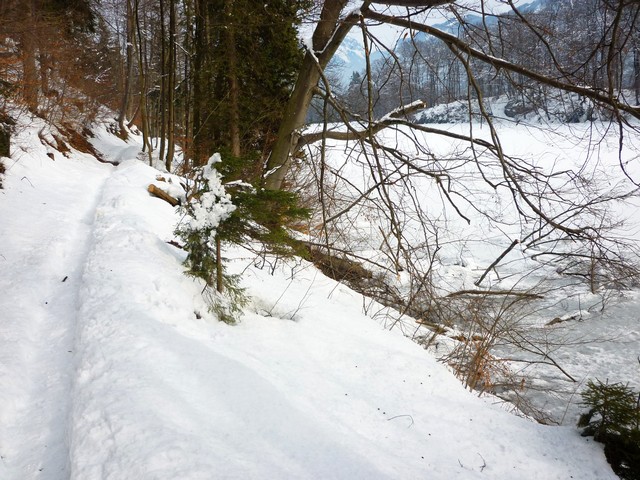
[{"x": 326, "y": 39}]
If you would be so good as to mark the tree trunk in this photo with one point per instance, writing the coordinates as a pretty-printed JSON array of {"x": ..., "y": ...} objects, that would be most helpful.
[
  {"x": 199, "y": 82},
  {"x": 29, "y": 70},
  {"x": 126, "y": 95},
  {"x": 232, "y": 73},
  {"x": 219, "y": 269},
  {"x": 327, "y": 37},
  {"x": 142, "y": 76},
  {"x": 171, "y": 86},
  {"x": 164, "y": 65},
  {"x": 187, "y": 93},
  {"x": 636, "y": 74},
  {"x": 5, "y": 141}
]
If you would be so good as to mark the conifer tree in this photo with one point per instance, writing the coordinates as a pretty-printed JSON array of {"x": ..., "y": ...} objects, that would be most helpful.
[{"x": 245, "y": 96}]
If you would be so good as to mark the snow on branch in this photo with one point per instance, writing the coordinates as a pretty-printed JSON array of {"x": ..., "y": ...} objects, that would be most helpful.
[{"x": 391, "y": 118}]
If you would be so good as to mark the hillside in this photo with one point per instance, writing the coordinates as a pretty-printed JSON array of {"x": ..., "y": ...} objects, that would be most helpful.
[{"x": 112, "y": 367}]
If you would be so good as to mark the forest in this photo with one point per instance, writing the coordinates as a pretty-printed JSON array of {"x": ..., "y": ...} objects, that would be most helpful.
[
  {"x": 179, "y": 70},
  {"x": 469, "y": 168}
]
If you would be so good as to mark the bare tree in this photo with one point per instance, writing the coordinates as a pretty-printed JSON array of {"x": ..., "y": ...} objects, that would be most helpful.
[{"x": 556, "y": 215}]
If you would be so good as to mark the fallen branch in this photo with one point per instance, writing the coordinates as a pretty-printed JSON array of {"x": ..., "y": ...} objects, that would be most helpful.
[
  {"x": 390, "y": 119},
  {"x": 496, "y": 261},
  {"x": 161, "y": 194},
  {"x": 495, "y": 292}
]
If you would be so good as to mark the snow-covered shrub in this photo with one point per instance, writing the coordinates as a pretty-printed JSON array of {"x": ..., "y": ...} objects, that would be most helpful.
[
  {"x": 208, "y": 206},
  {"x": 614, "y": 419}
]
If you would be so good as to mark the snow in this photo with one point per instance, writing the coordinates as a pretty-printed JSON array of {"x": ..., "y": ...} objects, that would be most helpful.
[
  {"x": 213, "y": 204},
  {"x": 111, "y": 366},
  {"x": 593, "y": 342}
]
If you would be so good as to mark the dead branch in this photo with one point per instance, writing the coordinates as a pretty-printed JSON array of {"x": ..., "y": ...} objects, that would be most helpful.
[
  {"x": 161, "y": 194},
  {"x": 496, "y": 261}
]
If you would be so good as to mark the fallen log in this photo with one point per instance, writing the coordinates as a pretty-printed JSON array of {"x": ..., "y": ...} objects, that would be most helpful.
[{"x": 161, "y": 194}]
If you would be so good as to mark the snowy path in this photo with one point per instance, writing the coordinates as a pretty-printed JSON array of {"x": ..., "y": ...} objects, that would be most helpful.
[{"x": 47, "y": 253}]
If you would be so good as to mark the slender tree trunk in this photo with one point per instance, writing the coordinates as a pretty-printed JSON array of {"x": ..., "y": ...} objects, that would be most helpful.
[
  {"x": 199, "y": 82},
  {"x": 126, "y": 95},
  {"x": 219, "y": 270},
  {"x": 171, "y": 71},
  {"x": 232, "y": 60},
  {"x": 29, "y": 70},
  {"x": 636, "y": 74},
  {"x": 186, "y": 92},
  {"x": 234, "y": 89},
  {"x": 144, "y": 117},
  {"x": 163, "y": 81}
]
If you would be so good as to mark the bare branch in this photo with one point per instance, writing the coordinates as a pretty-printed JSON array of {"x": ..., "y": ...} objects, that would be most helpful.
[
  {"x": 597, "y": 95},
  {"x": 413, "y": 3}
]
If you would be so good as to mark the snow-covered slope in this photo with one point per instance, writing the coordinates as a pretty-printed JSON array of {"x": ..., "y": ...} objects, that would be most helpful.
[{"x": 112, "y": 368}]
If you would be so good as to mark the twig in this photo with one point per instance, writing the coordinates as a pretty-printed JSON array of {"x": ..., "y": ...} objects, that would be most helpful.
[
  {"x": 398, "y": 416},
  {"x": 484, "y": 463},
  {"x": 25, "y": 178},
  {"x": 497, "y": 260}
]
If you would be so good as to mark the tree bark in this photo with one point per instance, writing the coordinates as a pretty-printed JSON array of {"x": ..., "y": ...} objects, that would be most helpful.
[
  {"x": 171, "y": 87},
  {"x": 126, "y": 95},
  {"x": 29, "y": 70},
  {"x": 5, "y": 141},
  {"x": 161, "y": 194},
  {"x": 142, "y": 76},
  {"x": 326, "y": 39},
  {"x": 200, "y": 82},
  {"x": 219, "y": 269},
  {"x": 232, "y": 73},
  {"x": 164, "y": 61}
]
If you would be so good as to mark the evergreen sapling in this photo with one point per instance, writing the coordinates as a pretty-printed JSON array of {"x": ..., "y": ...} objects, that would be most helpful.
[{"x": 204, "y": 213}]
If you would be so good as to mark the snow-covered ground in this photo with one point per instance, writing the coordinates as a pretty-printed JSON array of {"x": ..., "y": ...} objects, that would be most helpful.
[
  {"x": 112, "y": 368},
  {"x": 586, "y": 340}
]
